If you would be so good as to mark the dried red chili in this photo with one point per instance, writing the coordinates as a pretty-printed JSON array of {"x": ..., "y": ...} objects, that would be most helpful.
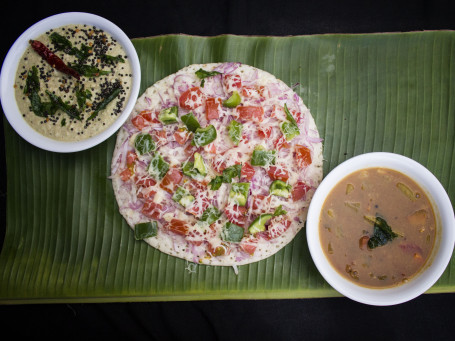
[{"x": 53, "y": 59}]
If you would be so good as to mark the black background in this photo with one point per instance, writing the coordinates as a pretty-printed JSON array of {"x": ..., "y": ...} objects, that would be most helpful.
[{"x": 429, "y": 316}]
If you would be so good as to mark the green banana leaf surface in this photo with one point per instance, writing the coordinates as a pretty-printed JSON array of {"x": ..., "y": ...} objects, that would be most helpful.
[{"x": 66, "y": 241}]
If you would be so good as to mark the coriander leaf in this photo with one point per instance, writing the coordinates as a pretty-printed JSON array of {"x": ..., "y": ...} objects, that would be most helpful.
[{"x": 202, "y": 74}]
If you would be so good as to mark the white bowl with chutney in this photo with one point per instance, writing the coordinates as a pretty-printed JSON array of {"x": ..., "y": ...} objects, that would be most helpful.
[
  {"x": 381, "y": 229},
  {"x": 107, "y": 81}
]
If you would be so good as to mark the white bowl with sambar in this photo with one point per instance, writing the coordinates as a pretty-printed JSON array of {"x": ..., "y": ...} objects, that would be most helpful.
[{"x": 381, "y": 229}]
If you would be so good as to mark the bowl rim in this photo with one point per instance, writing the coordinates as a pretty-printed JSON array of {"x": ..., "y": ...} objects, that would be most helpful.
[
  {"x": 9, "y": 69},
  {"x": 442, "y": 251}
]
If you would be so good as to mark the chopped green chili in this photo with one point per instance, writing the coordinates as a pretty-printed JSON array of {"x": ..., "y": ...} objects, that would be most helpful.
[
  {"x": 204, "y": 136},
  {"x": 145, "y": 230},
  {"x": 169, "y": 115},
  {"x": 144, "y": 143},
  {"x": 235, "y": 131},
  {"x": 232, "y": 233},
  {"x": 191, "y": 122},
  {"x": 158, "y": 167},
  {"x": 232, "y": 101}
]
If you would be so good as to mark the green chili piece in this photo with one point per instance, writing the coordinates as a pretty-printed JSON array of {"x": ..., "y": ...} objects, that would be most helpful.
[
  {"x": 232, "y": 101},
  {"x": 169, "y": 115},
  {"x": 144, "y": 143},
  {"x": 158, "y": 167},
  {"x": 258, "y": 225},
  {"x": 229, "y": 173},
  {"x": 189, "y": 170},
  {"x": 289, "y": 128},
  {"x": 210, "y": 215},
  {"x": 232, "y": 233},
  {"x": 183, "y": 197},
  {"x": 191, "y": 122},
  {"x": 239, "y": 193},
  {"x": 145, "y": 230},
  {"x": 263, "y": 157},
  {"x": 235, "y": 131},
  {"x": 279, "y": 211},
  {"x": 199, "y": 164},
  {"x": 280, "y": 188},
  {"x": 204, "y": 136}
]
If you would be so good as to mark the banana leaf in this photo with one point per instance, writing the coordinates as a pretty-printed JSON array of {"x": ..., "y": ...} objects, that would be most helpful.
[{"x": 66, "y": 242}]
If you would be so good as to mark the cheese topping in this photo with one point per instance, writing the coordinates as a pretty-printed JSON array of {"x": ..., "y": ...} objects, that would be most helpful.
[{"x": 188, "y": 227}]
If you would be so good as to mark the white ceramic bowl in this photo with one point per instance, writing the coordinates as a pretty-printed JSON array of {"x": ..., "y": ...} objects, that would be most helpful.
[
  {"x": 9, "y": 69},
  {"x": 442, "y": 250}
]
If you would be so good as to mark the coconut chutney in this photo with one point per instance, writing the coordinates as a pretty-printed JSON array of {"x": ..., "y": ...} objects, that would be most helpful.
[{"x": 95, "y": 100}]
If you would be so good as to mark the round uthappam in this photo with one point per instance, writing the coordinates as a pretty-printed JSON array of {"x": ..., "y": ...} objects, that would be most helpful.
[{"x": 217, "y": 164}]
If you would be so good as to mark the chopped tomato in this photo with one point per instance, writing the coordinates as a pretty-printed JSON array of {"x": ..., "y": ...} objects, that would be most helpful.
[
  {"x": 160, "y": 137},
  {"x": 264, "y": 132},
  {"x": 152, "y": 210},
  {"x": 139, "y": 122},
  {"x": 177, "y": 226},
  {"x": 210, "y": 148},
  {"x": 212, "y": 107},
  {"x": 182, "y": 136},
  {"x": 278, "y": 113},
  {"x": 195, "y": 237},
  {"x": 281, "y": 142},
  {"x": 255, "y": 92},
  {"x": 251, "y": 113},
  {"x": 145, "y": 182},
  {"x": 247, "y": 171},
  {"x": 248, "y": 91},
  {"x": 171, "y": 180},
  {"x": 303, "y": 156},
  {"x": 146, "y": 193},
  {"x": 263, "y": 91},
  {"x": 195, "y": 186},
  {"x": 198, "y": 206},
  {"x": 278, "y": 173},
  {"x": 249, "y": 245},
  {"x": 191, "y": 98},
  {"x": 298, "y": 116},
  {"x": 277, "y": 227},
  {"x": 236, "y": 214},
  {"x": 190, "y": 150},
  {"x": 150, "y": 116},
  {"x": 144, "y": 118},
  {"x": 130, "y": 158},
  {"x": 232, "y": 82},
  {"x": 299, "y": 190},
  {"x": 260, "y": 203},
  {"x": 219, "y": 165},
  {"x": 126, "y": 174}
]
